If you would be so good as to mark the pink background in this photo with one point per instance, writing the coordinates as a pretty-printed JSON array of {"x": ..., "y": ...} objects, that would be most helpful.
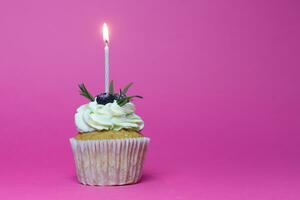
[{"x": 220, "y": 81}]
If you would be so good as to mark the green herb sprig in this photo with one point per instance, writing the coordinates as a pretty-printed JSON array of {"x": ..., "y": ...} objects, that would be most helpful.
[
  {"x": 84, "y": 92},
  {"x": 120, "y": 97}
]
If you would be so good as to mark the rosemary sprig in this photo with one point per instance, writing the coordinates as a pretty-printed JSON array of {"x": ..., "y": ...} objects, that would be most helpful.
[
  {"x": 125, "y": 89},
  {"x": 111, "y": 87},
  {"x": 125, "y": 99},
  {"x": 84, "y": 92}
]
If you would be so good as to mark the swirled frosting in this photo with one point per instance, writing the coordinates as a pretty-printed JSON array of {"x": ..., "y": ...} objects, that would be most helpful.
[{"x": 93, "y": 116}]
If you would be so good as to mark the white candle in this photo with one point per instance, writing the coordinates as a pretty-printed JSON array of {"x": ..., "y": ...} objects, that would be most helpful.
[{"x": 106, "y": 50}]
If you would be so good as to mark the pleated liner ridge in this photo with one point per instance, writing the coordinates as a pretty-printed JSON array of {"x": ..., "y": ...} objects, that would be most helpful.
[{"x": 109, "y": 162}]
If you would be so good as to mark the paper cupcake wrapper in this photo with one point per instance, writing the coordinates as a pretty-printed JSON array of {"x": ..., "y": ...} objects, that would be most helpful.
[{"x": 109, "y": 162}]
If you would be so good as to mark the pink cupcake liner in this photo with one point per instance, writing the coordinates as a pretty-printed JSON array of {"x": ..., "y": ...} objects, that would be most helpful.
[{"x": 109, "y": 162}]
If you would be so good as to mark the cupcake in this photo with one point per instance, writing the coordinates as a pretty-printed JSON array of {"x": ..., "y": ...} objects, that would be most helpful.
[{"x": 109, "y": 148}]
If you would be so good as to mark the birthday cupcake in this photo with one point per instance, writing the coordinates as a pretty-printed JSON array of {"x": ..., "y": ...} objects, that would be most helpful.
[{"x": 109, "y": 148}]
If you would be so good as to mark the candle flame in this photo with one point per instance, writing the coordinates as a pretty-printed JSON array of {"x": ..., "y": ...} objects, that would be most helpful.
[{"x": 105, "y": 33}]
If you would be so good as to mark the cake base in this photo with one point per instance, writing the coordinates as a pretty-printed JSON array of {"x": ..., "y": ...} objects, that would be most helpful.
[{"x": 109, "y": 162}]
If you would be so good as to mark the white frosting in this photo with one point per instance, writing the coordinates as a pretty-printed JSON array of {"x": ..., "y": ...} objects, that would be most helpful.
[{"x": 93, "y": 116}]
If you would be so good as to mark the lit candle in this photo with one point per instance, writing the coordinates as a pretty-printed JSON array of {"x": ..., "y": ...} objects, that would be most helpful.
[{"x": 106, "y": 50}]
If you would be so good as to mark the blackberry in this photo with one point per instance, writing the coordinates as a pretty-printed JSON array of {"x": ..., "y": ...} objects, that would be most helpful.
[{"x": 105, "y": 98}]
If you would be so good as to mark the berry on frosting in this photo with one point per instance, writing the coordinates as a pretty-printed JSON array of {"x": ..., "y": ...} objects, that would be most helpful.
[{"x": 105, "y": 98}]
